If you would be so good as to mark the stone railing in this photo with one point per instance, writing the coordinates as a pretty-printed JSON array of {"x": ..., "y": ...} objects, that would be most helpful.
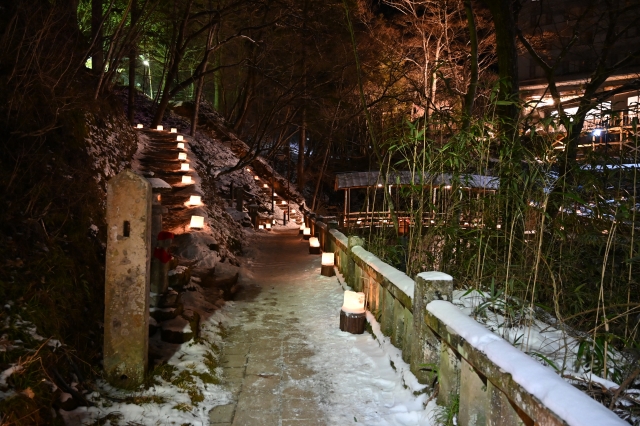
[{"x": 496, "y": 383}]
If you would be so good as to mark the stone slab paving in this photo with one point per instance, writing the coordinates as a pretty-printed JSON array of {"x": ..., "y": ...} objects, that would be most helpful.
[{"x": 265, "y": 360}]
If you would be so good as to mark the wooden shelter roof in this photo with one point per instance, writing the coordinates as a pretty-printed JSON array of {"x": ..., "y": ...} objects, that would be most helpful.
[{"x": 346, "y": 181}]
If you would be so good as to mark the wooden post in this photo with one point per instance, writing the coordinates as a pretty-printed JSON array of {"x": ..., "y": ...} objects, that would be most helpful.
[{"x": 352, "y": 323}]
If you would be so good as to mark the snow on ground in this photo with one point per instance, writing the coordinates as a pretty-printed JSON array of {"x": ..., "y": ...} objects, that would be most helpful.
[{"x": 360, "y": 378}]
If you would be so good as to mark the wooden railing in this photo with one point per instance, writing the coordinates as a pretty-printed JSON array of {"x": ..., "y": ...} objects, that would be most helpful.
[{"x": 496, "y": 383}]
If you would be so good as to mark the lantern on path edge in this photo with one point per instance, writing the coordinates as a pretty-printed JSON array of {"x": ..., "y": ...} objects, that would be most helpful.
[
  {"x": 326, "y": 268},
  {"x": 353, "y": 313}
]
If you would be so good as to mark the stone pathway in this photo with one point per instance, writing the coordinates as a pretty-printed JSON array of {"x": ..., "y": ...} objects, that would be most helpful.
[{"x": 266, "y": 358}]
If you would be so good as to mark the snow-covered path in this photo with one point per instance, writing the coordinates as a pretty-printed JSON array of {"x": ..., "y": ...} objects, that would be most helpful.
[{"x": 287, "y": 363}]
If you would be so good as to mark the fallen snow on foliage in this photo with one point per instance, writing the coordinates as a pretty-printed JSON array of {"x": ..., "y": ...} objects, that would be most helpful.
[{"x": 572, "y": 405}]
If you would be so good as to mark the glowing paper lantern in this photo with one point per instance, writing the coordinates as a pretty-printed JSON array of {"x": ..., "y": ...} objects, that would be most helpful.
[
  {"x": 284, "y": 202},
  {"x": 160, "y": 128},
  {"x": 265, "y": 186},
  {"x": 268, "y": 225},
  {"x": 314, "y": 246},
  {"x": 353, "y": 302},
  {"x": 327, "y": 265},
  {"x": 248, "y": 169},
  {"x": 197, "y": 222},
  {"x": 256, "y": 177},
  {"x": 260, "y": 226},
  {"x": 184, "y": 167},
  {"x": 174, "y": 130},
  {"x": 186, "y": 179},
  {"x": 139, "y": 126},
  {"x": 180, "y": 145},
  {"x": 195, "y": 200},
  {"x": 182, "y": 156},
  {"x": 293, "y": 211},
  {"x": 306, "y": 233},
  {"x": 301, "y": 229}
]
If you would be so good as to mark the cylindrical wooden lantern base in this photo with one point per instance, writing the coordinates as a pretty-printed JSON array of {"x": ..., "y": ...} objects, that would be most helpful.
[
  {"x": 306, "y": 237},
  {"x": 314, "y": 250},
  {"x": 327, "y": 270},
  {"x": 352, "y": 323},
  {"x": 301, "y": 232}
]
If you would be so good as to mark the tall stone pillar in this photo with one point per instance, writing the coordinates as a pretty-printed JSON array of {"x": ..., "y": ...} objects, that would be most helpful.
[
  {"x": 425, "y": 346},
  {"x": 126, "y": 314}
]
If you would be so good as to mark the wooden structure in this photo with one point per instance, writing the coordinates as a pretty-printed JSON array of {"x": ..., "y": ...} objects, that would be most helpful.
[
  {"x": 352, "y": 323},
  {"x": 439, "y": 186}
]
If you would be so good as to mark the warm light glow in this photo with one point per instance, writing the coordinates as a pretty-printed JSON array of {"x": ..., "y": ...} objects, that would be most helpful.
[
  {"x": 184, "y": 167},
  {"x": 174, "y": 130},
  {"x": 179, "y": 138},
  {"x": 353, "y": 302},
  {"x": 268, "y": 226},
  {"x": 306, "y": 231},
  {"x": 182, "y": 156},
  {"x": 248, "y": 169},
  {"x": 447, "y": 187},
  {"x": 327, "y": 259},
  {"x": 186, "y": 179},
  {"x": 256, "y": 177},
  {"x": 284, "y": 202},
  {"x": 293, "y": 211},
  {"x": 197, "y": 222},
  {"x": 275, "y": 195},
  {"x": 302, "y": 227},
  {"x": 260, "y": 226},
  {"x": 314, "y": 242},
  {"x": 160, "y": 127},
  {"x": 195, "y": 200},
  {"x": 180, "y": 145},
  {"x": 265, "y": 186},
  {"x": 498, "y": 226},
  {"x": 139, "y": 126}
]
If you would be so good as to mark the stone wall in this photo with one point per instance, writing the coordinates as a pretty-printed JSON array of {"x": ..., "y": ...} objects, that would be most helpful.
[{"x": 503, "y": 387}]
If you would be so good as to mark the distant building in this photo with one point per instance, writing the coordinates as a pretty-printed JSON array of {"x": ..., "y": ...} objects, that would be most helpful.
[{"x": 571, "y": 36}]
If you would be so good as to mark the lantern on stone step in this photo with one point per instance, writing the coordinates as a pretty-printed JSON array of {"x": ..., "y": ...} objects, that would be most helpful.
[
  {"x": 314, "y": 245},
  {"x": 197, "y": 222},
  {"x": 326, "y": 268},
  {"x": 284, "y": 202},
  {"x": 256, "y": 177},
  {"x": 249, "y": 170},
  {"x": 195, "y": 200},
  {"x": 352, "y": 314},
  {"x": 182, "y": 156},
  {"x": 306, "y": 233},
  {"x": 184, "y": 167},
  {"x": 268, "y": 226},
  {"x": 265, "y": 186},
  {"x": 139, "y": 126},
  {"x": 174, "y": 130},
  {"x": 187, "y": 180},
  {"x": 260, "y": 226},
  {"x": 181, "y": 145},
  {"x": 302, "y": 229},
  {"x": 179, "y": 138},
  {"x": 293, "y": 211},
  {"x": 160, "y": 127}
]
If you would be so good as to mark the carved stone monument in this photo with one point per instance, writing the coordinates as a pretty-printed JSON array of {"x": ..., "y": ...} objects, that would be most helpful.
[{"x": 126, "y": 314}]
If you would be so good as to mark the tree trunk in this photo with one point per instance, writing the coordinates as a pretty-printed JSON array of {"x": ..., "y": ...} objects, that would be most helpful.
[
  {"x": 196, "y": 106},
  {"x": 473, "y": 82},
  {"x": 97, "y": 57},
  {"x": 301, "y": 149},
  {"x": 133, "y": 55}
]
